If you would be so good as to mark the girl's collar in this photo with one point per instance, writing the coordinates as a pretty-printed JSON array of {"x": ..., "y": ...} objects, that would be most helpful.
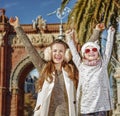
[{"x": 91, "y": 63}]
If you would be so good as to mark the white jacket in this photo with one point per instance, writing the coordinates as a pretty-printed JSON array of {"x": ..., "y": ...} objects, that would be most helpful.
[
  {"x": 43, "y": 99},
  {"x": 93, "y": 92}
]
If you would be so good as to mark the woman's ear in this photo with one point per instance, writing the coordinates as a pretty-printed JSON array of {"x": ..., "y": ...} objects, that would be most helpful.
[
  {"x": 68, "y": 55},
  {"x": 47, "y": 54}
]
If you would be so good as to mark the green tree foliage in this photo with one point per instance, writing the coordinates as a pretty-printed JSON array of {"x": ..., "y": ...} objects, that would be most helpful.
[{"x": 87, "y": 13}]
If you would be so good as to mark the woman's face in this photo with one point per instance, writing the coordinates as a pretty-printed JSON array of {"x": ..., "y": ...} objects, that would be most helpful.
[
  {"x": 91, "y": 53},
  {"x": 58, "y": 53}
]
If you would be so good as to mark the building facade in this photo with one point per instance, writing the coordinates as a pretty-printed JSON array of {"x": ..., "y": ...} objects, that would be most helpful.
[{"x": 15, "y": 63}]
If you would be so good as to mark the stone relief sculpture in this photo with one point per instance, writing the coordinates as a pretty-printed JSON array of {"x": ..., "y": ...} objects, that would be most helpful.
[
  {"x": 3, "y": 18},
  {"x": 34, "y": 24},
  {"x": 39, "y": 23},
  {"x": 36, "y": 40}
]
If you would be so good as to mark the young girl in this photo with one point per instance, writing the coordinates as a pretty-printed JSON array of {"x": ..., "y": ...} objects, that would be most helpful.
[
  {"x": 93, "y": 92},
  {"x": 56, "y": 90}
]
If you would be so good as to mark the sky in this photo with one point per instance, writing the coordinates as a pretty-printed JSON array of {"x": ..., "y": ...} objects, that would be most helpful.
[
  {"x": 28, "y": 10},
  {"x": 34, "y": 72}
]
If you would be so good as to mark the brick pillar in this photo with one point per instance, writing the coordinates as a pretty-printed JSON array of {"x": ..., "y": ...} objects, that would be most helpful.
[
  {"x": 2, "y": 80},
  {"x": 17, "y": 102}
]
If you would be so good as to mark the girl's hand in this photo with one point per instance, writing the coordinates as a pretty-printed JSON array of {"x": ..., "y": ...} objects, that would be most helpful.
[
  {"x": 70, "y": 34},
  {"x": 111, "y": 29},
  {"x": 100, "y": 26},
  {"x": 14, "y": 21}
]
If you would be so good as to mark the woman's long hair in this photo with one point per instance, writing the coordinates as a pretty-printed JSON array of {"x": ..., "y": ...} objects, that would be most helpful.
[{"x": 49, "y": 68}]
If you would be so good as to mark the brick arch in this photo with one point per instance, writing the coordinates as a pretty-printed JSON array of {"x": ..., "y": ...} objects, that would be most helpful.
[
  {"x": 20, "y": 72},
  {"x": 17, "y": 86}
]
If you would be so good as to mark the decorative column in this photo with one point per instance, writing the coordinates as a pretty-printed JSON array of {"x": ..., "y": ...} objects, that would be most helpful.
[
  {"x": 14, "y": 102},
  {"x": 17, "y": 99},
  {"x": 116, "y": 112},
  {"x": 2, "y": 76}
]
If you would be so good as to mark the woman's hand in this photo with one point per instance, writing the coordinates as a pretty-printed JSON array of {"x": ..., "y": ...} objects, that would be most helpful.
[{"x": 14, "y": 21}]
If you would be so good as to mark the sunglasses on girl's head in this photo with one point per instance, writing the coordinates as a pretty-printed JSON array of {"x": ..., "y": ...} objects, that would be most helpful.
[{"x": 88, "y": 50}]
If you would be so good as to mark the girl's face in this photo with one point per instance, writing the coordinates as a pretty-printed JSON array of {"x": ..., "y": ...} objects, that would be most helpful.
[
  {"x": 91, "y": 53},
  {"x": 58, "y": 53}
]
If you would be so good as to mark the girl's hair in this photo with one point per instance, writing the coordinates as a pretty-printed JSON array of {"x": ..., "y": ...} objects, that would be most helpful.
[{"x": 49, "y": 68}]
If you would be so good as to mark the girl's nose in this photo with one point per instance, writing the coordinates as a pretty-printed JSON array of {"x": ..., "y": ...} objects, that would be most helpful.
[{"x": 57, "y": 52}]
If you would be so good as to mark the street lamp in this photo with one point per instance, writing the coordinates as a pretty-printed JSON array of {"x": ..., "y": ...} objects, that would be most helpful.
[{"x": 61, "y": 15}]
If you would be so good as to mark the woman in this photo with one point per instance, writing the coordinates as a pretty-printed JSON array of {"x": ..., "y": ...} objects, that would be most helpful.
[{"x": 56, "y": 85}]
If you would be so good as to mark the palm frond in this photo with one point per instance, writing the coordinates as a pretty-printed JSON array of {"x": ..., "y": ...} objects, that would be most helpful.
[
  {"x": 87, "y": 13},
  {"x": 64, "y": 3}
]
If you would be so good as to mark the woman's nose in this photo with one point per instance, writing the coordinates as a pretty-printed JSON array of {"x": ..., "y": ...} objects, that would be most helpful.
[{"x": 57, "y": 52}]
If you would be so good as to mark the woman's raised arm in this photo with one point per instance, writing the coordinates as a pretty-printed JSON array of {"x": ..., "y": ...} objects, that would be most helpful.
[{"x": 34, "y": 55}]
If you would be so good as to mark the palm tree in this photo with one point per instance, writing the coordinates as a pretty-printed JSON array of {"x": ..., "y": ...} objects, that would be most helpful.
[{"x": 87, "y": 13}]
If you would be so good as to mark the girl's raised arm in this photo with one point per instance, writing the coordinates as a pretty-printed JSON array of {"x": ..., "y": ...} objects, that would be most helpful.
[{"x": 109, "y": 43}]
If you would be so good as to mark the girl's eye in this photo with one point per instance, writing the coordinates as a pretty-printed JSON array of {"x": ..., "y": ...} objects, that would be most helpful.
[
  {"x": 94, "y": 49},
  {"x": 87, "y": 50}
]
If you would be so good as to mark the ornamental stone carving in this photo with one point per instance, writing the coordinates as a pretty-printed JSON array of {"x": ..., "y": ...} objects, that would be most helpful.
[
  {"x": 39, "y": 23},
  {"x": 36, "y": 40}
]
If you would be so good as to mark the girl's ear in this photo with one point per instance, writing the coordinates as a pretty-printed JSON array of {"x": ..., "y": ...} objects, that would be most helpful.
[
  {"x": 47, "y": 54},
  {"x": 68, "y": 55}
]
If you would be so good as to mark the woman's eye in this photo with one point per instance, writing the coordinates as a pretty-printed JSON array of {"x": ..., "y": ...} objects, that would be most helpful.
[
  {"x": 54, "y": 50},
  {"x": 61, "y": 51}
]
